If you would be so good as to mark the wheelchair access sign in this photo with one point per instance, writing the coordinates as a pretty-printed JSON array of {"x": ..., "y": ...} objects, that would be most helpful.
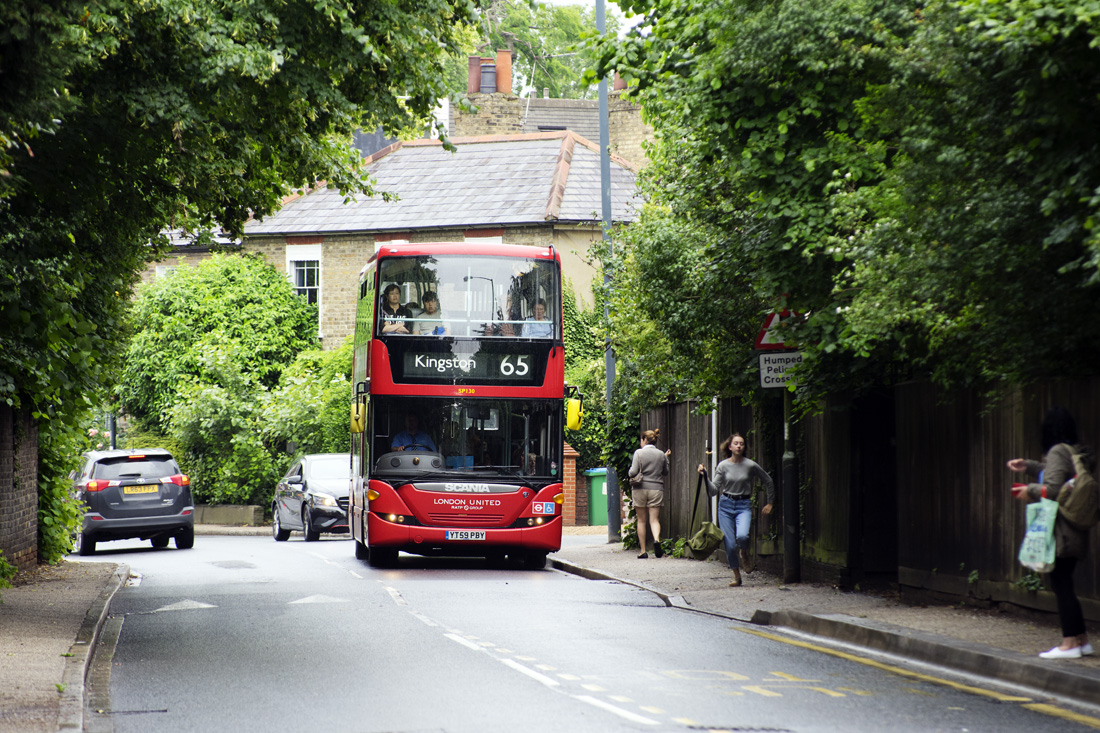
[{"x": 774, "y": 366}]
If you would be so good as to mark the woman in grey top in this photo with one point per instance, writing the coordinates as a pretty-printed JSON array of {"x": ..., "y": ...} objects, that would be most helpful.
[
  {"x": 1058, "y": 435},
  {"x": 647, "y": 484},
  {"x": 734, "y": 481}
]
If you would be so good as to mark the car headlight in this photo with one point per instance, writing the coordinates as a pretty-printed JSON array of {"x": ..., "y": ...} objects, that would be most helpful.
[{"x": 324, "y": 500}]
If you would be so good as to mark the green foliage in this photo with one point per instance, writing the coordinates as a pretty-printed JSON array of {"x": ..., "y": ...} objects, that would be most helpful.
[
  {"x": 7, "y": 571},
  {"x": 120, "y": 120},
  {"x": 675, "y": 547},
  {"x": 60, "y": 446},
  {"x": 1030, "y": 581},
  {"x": 630, "y": 533},
  {"x": 231, "y": 303},
  {"x": 917, "y": 180},
  {"x": 544, "y": 40},
  {"x": 310, "y": 408},
  {"x": 584, "y": 369}
]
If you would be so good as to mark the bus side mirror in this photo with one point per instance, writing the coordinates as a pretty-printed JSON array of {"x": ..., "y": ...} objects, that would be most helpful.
[
  {"x": 573, "y": 414},
  {"x": 358, "y": 419}
]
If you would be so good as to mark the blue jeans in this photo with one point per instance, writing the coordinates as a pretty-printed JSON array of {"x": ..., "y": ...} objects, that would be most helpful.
[{"x": 734, "y": 519}]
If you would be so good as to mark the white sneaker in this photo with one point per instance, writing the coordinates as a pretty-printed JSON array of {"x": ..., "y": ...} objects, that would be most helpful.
[
  {"x": 1086, "y": 650},
  {"x": 1056, "y": 653}
]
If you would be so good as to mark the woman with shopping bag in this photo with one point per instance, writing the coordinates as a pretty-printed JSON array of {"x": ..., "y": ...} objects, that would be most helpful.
[
  {"x": 1058, "y": 437},
  {"x": 734, "y": 482}
]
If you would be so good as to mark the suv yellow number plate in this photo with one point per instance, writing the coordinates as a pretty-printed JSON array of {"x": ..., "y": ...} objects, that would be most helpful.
[{"x": 140, "y": 489}]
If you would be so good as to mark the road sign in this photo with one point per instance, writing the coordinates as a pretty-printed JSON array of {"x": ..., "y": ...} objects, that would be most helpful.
[
  {"x": 773, "y": 368},
  {"x": 770, "y": 337}
]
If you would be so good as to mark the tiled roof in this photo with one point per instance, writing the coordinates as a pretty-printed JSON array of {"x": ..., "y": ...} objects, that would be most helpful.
[
  {"x": 582, "y": 116},
  {"x": 490, "y": 181}
]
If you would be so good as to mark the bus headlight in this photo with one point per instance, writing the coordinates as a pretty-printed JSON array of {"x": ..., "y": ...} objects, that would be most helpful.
[
  {"x": 396, "y": 518},
  {"x": 372, "y": 494},
  {"x": 534, "y": 521}
]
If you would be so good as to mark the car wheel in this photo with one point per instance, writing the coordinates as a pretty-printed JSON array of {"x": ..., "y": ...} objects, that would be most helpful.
[
  {"x": 312, "y": 535},
  {"x": 185, "y": 540},
  {"x": 382, "y": 557},
  {"x": 87, "y": 545},
  {"x": 277, "y": 531},
  {"x": 161, "y": 541}
]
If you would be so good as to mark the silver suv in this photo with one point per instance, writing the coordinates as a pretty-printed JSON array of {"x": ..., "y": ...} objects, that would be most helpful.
[{"x": 134, "y": 493}]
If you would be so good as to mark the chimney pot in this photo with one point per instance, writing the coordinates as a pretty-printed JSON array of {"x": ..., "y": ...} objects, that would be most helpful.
[{"x": 504, "y": 71}]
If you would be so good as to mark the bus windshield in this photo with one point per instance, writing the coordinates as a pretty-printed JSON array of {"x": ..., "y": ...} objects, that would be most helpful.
[
  {"x": 468, "y": 296},
  {"x": 498, "y": 437}
]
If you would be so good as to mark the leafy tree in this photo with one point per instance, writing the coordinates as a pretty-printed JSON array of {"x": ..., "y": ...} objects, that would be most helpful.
[
  {"x": 544, "y": 40},
  {"x": 310, "y": 408},
  {"x": 918, "y": 180},
  {"x": 120, "y": 119},
  {"x": 238, "y": 304}
]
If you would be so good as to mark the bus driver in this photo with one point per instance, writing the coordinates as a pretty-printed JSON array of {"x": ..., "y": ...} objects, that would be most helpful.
[{"x": 412, "y": 437}]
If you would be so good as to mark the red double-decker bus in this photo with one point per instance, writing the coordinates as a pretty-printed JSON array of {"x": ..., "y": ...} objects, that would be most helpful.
[{"x": 459, "y": 409}]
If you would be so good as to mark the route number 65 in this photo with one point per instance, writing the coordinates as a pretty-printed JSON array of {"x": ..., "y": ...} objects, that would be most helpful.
[{"x": 519, "y": 369}]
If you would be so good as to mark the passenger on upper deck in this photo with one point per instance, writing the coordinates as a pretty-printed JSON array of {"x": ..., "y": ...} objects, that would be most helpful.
[
  {"x": 539, "y": 326},
  {"x": 393, "y": 313},
  {"x": 412, "y": 437},
  {"x": 429, "y": 321}
]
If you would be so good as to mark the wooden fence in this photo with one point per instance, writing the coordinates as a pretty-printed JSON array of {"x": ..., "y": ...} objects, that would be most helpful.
[{"x": 907, "y": 485}]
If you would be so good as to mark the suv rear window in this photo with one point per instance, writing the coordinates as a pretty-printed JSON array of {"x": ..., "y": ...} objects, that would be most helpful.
[{"x": 146, "y": 467}]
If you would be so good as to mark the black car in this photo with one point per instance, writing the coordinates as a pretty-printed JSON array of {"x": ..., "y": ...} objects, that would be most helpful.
[
  {"x": 312, "y": 497},
  {"x": 134, "y": 493}
]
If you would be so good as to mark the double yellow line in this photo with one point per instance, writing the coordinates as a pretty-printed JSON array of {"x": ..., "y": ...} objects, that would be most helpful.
[{"x": 1026, "y": 702}]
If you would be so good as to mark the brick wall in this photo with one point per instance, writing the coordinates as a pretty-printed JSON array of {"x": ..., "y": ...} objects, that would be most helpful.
[
  {"x": 574, "y": 510},
  {"x": 497, "y": 114},
  {"x": 626, "y": 130},
  {"x": 18, "y": 488}
]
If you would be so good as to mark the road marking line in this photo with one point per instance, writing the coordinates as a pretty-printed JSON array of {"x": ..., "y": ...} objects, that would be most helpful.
[
  {"x": 548, "y": 681},
  {"x": 854, "y": 691},
  {"x": 651, "y": 709},
  {"x": 468, "y": 644},
  {"x": 546, "y": 667},
  {"x": 700, "y": 675},
  {"x": 319, "y": 599},
  {"x": 396, "y": 596},
  {"x": 569, "y": 677},
  {"x": 1039, "y": 707},
  {"x": 357, "y": 575},
  {"x": 788, "y": 677},
  {"x": 761, "y": 691},
  {"x": 425, "y": 619},
  {"x": 185, "y": 605},
  {"x": 594, "y": 688},
  {"x": 1000, "y": 696},
  {"x": 621, "y": 698},
  {"x": 633, "y": 717},
  {"x": 686, "y": 721}
]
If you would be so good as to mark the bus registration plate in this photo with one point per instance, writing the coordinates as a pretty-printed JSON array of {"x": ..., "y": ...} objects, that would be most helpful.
[{"x": 465, "y": 534}]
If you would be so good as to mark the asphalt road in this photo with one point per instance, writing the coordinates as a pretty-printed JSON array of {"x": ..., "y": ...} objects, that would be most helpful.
[{"x": 242, "y": 633}]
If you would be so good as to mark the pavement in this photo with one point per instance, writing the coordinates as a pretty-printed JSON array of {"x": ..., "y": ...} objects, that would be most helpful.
[{"x": 51, "y": 619}]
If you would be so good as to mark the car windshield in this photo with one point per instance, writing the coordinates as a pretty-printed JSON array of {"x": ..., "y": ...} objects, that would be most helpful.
[
  {"x": 133, "y": 467},
  {"x": 334, "y": 467}
]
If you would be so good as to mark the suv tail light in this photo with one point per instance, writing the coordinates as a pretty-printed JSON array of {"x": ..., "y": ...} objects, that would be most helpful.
[
  {"x": 180, "y": 479},
  {"x": 97, "y": 485}
]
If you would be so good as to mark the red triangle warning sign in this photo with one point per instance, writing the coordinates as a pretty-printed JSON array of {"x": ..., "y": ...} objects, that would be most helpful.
[{"x": 770, "y": 337}]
